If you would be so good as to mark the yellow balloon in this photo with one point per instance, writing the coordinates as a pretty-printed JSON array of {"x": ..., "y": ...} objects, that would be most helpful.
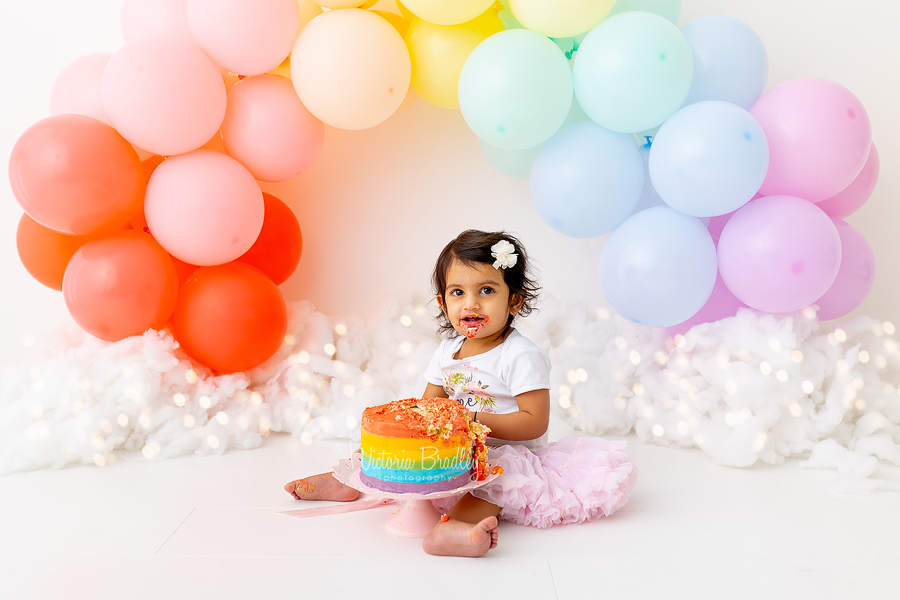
[
  {"x": 447, "y": 12},
  {"x": 309, "y": 10},
  {"x": 399, "y": 23},
  {"x": 560, "y": 18},
  {"x": 438, "y": 53},
  {"x": 346, "y": 3}
]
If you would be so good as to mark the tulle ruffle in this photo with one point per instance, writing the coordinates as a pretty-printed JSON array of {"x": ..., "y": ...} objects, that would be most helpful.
[{"x": 572, "y": 481}]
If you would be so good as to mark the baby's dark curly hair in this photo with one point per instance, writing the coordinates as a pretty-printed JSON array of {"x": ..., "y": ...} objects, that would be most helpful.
[{"x": 473, "y": 246}]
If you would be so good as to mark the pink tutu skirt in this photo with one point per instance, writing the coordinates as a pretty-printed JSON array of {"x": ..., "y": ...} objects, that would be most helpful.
[{"x": 571, "y": 481}]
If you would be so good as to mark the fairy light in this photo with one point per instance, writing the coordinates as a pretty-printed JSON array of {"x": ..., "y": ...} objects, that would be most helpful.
[
  {"x": 890, "y": 346},
  {"x": 213, "y": 441},
  {"x": 635, "y": 357},
  {"x": 698, "y": 439},
  {"x": 419, "y": 309},
  {"x": 809, "y": 312},
  {"x": 682, "y": 361},
  {"x": 179, "y": 399},
  {"x": 147, "y": 452},
  {"x": 860, "y": 404},
  {"x": 37, "y": 412},
  {"x": 781, "y": 375},
  {"x": 406, "y": 349},
  {"x": 807, "y": 386},
  {"x": 582, "y": 375},
  {"x": 746, "y": 413},
  {"x": 621, "y": 344},
  {"x": 638, "y": 389},
  {"x": 222, "y": 418},
  {"x": 880, "y": 361},
  {"x": 256, "y": 398},
  {"x": 661, "y": 358},
  {"x": 858, "y": 383},
  {"x": 329, "y": 349},
  {"x": 620, "y": 402},
  {"x": 775, "y": 345},
  {"x": 205, "y": 402},
  {"x": 603, "y": 314},
  {"x": 889, "y": 328},
  {"x": 189, "y": 421},
  {"x": 832, "y": 339},
  {"x": 840, "y": 335},
  {"x": 843, "y": 366},
  {"x": 572, "y": 377},
  {"x": 796, "y": 409},
  {"x": 303, "y": 357},
  {"x": 289, "y": 340},
  {"x": 349, "y": 390},
  {"x": 190, "y": 376},
  {"x": 864, "y": 356},
  {"x": 797, "y": 355},
  {"x": 99, "y": 460},
  {"x": 731, "y": 419},
  {"x": 406, "y": 321},
  {"x": 760, "y": 441},
  {"x": 683, "y": 427},
  {"x": 765, "y": 367},
  {"x": 658, "y": 430},
  {"x": 680, "y": 341},
  {"x": 340, "y": 329},
  {"x": 565, "y": 390},
  {"x": 565, "y": 401}
]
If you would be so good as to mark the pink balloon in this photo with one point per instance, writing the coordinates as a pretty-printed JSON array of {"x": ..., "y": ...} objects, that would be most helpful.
[
  {"x": 779, "y": 253},
  {"x": 851, "y": 198},
  {"x": 248, "y": 37},
  {"x": 204, "y": 207},
  {"x": 819, "y": 136},
  {"x": 163, "y": 95},
  {"x": 721, "y": 305},
  {"x": 139, "y": 19},
  {"x": 268, "y": 130},
  {"x": 855, "y": 277},
  {"x": 77, "y": 88}
]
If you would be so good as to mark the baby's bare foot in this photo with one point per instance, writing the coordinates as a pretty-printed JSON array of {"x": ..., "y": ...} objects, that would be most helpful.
[
  {"x": 457, "y": 538},
  {"x": 321, "y": 487}
]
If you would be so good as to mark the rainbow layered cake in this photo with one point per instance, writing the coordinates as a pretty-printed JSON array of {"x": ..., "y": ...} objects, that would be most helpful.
[{"x": 421, "y": 445}]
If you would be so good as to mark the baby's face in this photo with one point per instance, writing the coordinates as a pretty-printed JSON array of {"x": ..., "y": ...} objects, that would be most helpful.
[{"x": 477, "y": 300}]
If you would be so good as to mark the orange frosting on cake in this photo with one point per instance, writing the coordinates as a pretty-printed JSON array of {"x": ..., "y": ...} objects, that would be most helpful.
[{"x": 432, "y": 418}]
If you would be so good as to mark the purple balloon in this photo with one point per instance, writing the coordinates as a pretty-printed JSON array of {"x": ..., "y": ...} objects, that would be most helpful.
[
  {"x": 819, "y": 137},
  {"x": 855, "y": 277},
  {"x": 721, "y": 305},
  {"x": 779, "y": 254},
  {"x": 847, "y": 201}
]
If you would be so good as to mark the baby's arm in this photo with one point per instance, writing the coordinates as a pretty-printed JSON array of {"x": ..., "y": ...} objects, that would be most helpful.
[
  {"x": 530, "y": 422},
  {"x": 434, "y": 391}
]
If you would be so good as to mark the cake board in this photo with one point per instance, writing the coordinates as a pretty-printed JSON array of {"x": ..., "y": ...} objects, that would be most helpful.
[{"x": 417, "y": 516}]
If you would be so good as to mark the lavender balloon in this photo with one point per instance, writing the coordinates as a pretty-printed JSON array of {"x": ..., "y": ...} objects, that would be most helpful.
[
  {"x": 851, "y": 198},
  {"x": 779, "y": 253},
  {"x": 658, "y": 268},
  {"x": 855, "y": 277},
  {"x": 586, "y": 180}
]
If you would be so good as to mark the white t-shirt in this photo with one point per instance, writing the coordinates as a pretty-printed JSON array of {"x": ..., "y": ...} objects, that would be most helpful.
[{"x": 490, "y": 382}]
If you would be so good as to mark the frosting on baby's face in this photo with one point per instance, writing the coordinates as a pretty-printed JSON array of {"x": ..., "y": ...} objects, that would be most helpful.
[{"x": 476, "y": 301}]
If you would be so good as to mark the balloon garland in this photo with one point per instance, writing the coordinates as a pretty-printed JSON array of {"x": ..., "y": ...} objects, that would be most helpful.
[{"x": 716, "y": 195}]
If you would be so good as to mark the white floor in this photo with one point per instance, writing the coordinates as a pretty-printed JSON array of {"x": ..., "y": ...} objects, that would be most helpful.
[{"x": 210, "y": 528}]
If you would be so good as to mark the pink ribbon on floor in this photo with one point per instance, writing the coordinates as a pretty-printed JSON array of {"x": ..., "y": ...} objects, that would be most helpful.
[{"x": 337, "y": 509}]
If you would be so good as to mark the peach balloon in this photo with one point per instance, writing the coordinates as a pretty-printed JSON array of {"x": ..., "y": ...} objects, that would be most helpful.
[
  {"x": 163, "y": 95},
  {"x": 75, "y": 175},
  {"x": 248, "y": 37},
  {"x": 204, "y": 207},
  {"x": 146, "y": 18},
  {"x": 230, "y": 317},
  {"x": 45, "y": 253},
  {"x": 77, "y": 88},
  {"x": 120, "y": 286},
  {"x": 350, "y": 68},
  {"x": 346, "y": 3},
  {"x": 268, "y": 130},
  {"x": 308, "y": 11}
]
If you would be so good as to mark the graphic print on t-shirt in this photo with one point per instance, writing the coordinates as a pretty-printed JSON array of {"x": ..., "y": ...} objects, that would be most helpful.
[{"x": 477, "y": 396}]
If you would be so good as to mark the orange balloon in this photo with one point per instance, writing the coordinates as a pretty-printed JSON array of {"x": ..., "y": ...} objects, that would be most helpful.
[
  {"x": 45, "y": 253},
  {"x": 277, "y": 250},
  {"x": 121, "y": 285},
  {"x": 138, "y": 222},
  {"x": 75, "y": 175},
  {"x": 230, "y": 317}
]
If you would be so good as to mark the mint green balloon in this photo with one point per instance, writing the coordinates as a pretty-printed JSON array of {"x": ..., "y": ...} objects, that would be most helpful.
[
  {"x": 668, "y": 9},
  {"x": 515, "y": 89},
  {"x": 632, "y": 72}
]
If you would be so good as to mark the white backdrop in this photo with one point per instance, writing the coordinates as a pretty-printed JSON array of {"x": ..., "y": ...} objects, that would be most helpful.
[{"x": 379, "y": 204}]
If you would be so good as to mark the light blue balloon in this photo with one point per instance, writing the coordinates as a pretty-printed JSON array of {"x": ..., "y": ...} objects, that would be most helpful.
[
  {"x": 632, "y": 71},
  {"x": 658, "y": 268},
  {"x": 649, "y": 198},
  {"x": 668, "y": 9},
  {"x": 515, "y": 89},
  {"x": 517, "y": 163},
  {"x": 709, "y": 159},
  {"x": 586, "y": 180},
  {"x": 730, "y": 61}
]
